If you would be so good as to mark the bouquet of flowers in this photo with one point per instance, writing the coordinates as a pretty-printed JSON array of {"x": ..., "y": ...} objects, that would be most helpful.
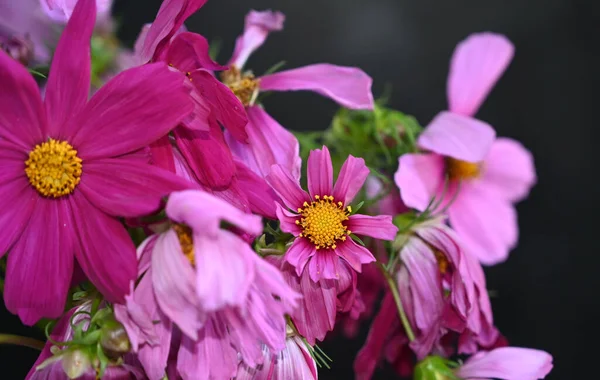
[{"x": 157, "y": 222}]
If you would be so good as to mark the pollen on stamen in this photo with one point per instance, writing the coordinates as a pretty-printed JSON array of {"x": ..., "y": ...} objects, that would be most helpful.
[{"x": 322, "y": 221}]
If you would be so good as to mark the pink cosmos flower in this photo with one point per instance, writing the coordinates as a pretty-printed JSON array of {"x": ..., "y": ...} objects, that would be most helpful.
[
  {"x": 61, "y": 10},
  {"x": 268, "y": 142},
  {"x": 214, "y": 296},
  {"x": 321, "y": 221},
  {"x": 71, "y": 167},
  {"x": 507, "y": 363},
  {"x": 293, "y": 362},
  {"x": 489, "y": 174},
  {"x": 443, "y": 292}
]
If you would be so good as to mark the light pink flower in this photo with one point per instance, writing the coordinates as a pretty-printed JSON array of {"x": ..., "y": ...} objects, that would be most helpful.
[
  {"x": 210, "y": 285},
  {"x": 322, "y": 221},
  {"x": 293, "y": 362},
  {"x": 84, "y": 167},
  {"x": 61, "y": 10},
  {"x": 268, "y": 142},
  {"x": 507, "y": 363},
  {"x": 489, "y": 174}
]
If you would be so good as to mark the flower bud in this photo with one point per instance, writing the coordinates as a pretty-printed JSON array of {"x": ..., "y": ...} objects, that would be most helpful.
[
  {"x": 75, "y": 363},
  {"x": 114, "y": 340},
  {"x": 433, "y": 368}
]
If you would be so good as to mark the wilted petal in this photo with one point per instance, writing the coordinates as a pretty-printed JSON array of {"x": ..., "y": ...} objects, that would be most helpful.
[
  {"x": 189, "y": 52},
  {"x": 507, "y": 363},
  {"x": 256, "y": 29}
]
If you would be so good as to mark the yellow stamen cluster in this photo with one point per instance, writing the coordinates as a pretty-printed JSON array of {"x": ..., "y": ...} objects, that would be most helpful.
[
  {"x": 322, "y": 221},
  {"x": 461, "y": 170},
  {"x": 53, "y": 168},
  {"x": 442, "y": 260},
  {"x": 184, "y": 233},
  {"x": 243, "y": 85}
]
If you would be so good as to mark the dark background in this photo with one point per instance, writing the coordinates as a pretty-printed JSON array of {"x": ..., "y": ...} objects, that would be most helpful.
[{"x": 545, "y": 295}]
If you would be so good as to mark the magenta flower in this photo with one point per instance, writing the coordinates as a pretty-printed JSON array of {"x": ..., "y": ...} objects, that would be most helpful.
[
  {"x": 268, "y": 142},
  {"x": 207, "y": 285},
  {"x": 489, "y": 174},
  {"x": 322, "y": 221},
  {"x": 293, "y": 362},
  {"x": 71, "y": 167},
  {"x": 443, "y": 293},
  {"x": 507, "y": 363}
]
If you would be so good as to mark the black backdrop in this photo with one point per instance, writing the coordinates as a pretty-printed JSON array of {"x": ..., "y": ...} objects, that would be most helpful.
[{"x": 545, "y": 293}]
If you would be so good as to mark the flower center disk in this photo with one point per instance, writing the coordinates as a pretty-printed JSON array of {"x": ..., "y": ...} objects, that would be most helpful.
[
  {"x": 461, "y": 170},
  {"x": 184, "y": 234},
  {"x": 243, "y": 85},
  {"x": 53, "y": 168},
  {"x": 322, "y": 221}
]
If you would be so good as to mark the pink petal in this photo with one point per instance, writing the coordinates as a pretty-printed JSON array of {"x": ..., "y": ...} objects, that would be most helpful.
[
  {"x": 354, "y": 254},
  {"x": 509, "y": 169},
  {"x": 299, "y": 253},
  {"x": 353, "y": 175},
  {"x": 40, "y": 264},
  {"x": 320, "y": 172},
  {"x": 419, "y": 177},
  {"x": 268, "y": 144},
  {"x": 287, "y": 221},
  {"x": 22, "y": 117},
  {"x": 210, "y": 357},
  {"x": 69, "y": 79},
  {"x": 154, "y": 357},
  {"x": 227, "y": 108},
  {"x": 207, "y": 156},
  {"x": 223, "y": 270},
  {"x": 509, "y": 363},
  {"x": 204, "y": 212},
  {"x": 61, "y": 11},
  {"x": 123, "y": 187},
  {"x": 174, "y": 284},
  {"x": 261, "y": 198},
  {"x": 190, "y": 51},
  {"x": 130, "y": 112},
  {"x": 348, "y": 86},
  {"x": 161, "y": 153},
  {"x": 458, "y": 136},
  {"x": 486, "y": 224},
  {"x": 323, "y": 265},
  {"x": 105, "y": 251},
  {"x": 18, "y": 201},
  {"x": 316, "y": 311},
  {"x": 379, "y": 227},
  {"x": 256, "y": 29},
  {"x": 477, "y": 63},
  {"x": 286, "y": 187},
  {"x": 169, "y": 20}
]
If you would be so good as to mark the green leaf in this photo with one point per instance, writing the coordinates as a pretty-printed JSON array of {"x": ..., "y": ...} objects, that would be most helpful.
[
  {"x": 357, "y": 239},
  {"x": 358, "y": 207},
  {"x": 274, "y": 68},
  {"x": 435, "y": 368}
]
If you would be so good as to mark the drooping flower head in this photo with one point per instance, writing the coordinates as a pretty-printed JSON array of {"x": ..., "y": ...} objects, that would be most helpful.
[
  {"x": 206, "y": 284},
  {"x": 268, "y": 142},
  {"x": 485, "y": 175},
  {"x": 322, "y": 219},
  {"x": 71, "y": 167}
]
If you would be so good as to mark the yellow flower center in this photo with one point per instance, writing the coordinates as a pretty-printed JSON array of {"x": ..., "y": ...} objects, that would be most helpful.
[
  {"x": 442, "y": 261},
  {"x": 243, "y": 85},
  {"x": 461, "y": 170},
  {"x": 184, "y": 234},
  {"x": 322, "y": 221},
  {"x": 53, "y": 168}
]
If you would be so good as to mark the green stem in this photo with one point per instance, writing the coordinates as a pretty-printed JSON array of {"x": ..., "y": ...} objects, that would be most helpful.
[
  {"x": 21, "y": 341},
  {"x": 396, "y": 295}
]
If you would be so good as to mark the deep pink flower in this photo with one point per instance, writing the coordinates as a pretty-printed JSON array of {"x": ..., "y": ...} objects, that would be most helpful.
[
  {"x": 61, "y": 10},
  {"x": 268, "y": 142},
  {"x": 322, "y": 221},
  {"x": 71, "y": 167},
  {"x": 293, "y": 362},
  {"x": 489, "y": 174},
  {"x": 210, "y": 285},
  {"x": 200, "y": 139},
  {"x": 507, "y": 363}
]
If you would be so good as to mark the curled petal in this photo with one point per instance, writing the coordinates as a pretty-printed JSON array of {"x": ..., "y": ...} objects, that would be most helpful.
[
  {"x": 507, "y": 363},
  {"x": 189, "y": 52},
  {"x": 348, "y": 86},
  {"x": 257, "y": 28}
]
